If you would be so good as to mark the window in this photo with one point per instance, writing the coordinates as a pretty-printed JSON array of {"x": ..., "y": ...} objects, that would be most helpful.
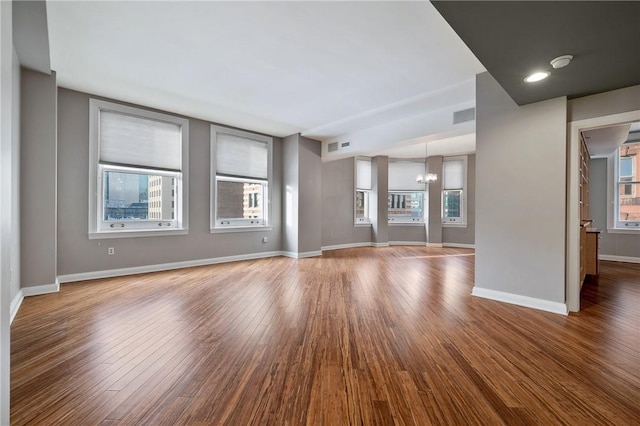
[
  {"x": 627, "y": 193},
  {"x": 363, "y": 190},
  {"x": 241, "y": 163},
  {"x": 406, "y": 196},
  {"x": 454, "y": 183},
  {"x": 406, "y": 207},
  {"x": 451, "y": 204},
  {"x": 138, "y": 179}
]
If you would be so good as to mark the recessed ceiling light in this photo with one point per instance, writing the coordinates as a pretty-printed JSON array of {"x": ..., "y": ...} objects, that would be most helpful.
[{"x": 536, "y": 76}]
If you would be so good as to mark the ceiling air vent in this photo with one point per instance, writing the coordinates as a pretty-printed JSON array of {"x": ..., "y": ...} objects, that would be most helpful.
[
  {"x": 338, "y": 146},
  {"x": 464, "y": 116}
]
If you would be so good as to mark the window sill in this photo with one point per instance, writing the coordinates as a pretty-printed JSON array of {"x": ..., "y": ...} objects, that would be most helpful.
[
  {"x": 137, "y": 233},
  {"x": 630, "y": 231},
  {"x": 406, "y": 223},
  {"x": 454, "y": 225},
  {"x": 230, "y": 229},
  {"x": 362, "y": 224}
]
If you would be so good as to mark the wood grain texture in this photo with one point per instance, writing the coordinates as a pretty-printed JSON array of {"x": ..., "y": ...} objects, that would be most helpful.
[{"x": 359, "y": 336}]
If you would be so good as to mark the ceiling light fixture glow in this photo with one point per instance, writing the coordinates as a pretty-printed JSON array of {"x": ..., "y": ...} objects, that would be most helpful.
[{"x": 536, "y": 76}]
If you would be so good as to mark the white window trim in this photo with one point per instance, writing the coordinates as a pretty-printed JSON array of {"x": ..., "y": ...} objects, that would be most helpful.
[
  {"x": 365, "y": 221},
  {"x": 95, "y": 178},
  {"x": 463, "y": 222},
  {"x": 612, "y": 198},
  {"x": 238, "y": 226}
]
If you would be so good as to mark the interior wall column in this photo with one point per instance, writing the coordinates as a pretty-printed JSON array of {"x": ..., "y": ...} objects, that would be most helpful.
[
  {"x": 302, "y": 197},
  {"x": 379, "y": 201},
  {"x": 434, "y": 201},
  {"x": 38, "y": 178}
]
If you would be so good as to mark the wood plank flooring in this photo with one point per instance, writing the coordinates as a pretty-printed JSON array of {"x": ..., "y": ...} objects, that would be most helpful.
[{"x": 356, "y": 337}]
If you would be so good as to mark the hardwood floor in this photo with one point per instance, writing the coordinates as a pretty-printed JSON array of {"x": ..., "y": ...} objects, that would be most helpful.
[{"x": 358, "y": 336}]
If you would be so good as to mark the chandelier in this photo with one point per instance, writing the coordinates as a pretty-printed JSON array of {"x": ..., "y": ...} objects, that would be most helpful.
[{"x": 427, "y": 177}]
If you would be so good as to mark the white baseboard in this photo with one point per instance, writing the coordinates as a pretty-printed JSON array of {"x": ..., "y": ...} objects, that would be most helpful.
[
  {"x": 407, "y": 243},
  {"x": 436, "y": 245},
  {"x": 15, "y": 305},
  {"x": 345, "y": 246},
  {"x": 31, "y": 291},
  {"x": 456, "y": 245},
  {"x": 378, "y": 245},
  {"x": 516, "y": 299},
  {"x": 295, "y": 255},
  {"x": 41, "y": 289},
  {"x": 613, "y": 258},
  {"x": 82, "y": 276}
]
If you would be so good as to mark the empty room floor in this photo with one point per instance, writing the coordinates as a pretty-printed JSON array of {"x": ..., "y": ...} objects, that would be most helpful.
[{"x": 357, "y": 336}]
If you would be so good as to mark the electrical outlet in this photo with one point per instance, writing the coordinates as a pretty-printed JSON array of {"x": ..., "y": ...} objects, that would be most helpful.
[
  {"x": 265, "y": 239},
  {"x": 111, "y": 251}
]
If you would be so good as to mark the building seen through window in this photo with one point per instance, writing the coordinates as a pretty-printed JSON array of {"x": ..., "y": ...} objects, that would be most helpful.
[
  {"x": 239, "y": 200},
  {"x": 405, "y": 206},
  {"x": 451, "y": 203},
  {"x": 138, "y": 196}
]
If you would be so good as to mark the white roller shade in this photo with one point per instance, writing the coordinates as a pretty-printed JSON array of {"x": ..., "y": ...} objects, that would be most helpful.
[
  {"x": 136, "y": 141},
  {"x": 363, "y": 174},
  {"x": 403, "y": 175},
  {"x": 241, "y": 157},
  {"x": 453, "y": 174}
]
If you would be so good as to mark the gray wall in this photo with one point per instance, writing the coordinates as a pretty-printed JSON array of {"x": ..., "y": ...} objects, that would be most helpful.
[
  {"x": 309, "y": 196},
  {"x": 613, "y": 102},
  {"x": 38, "y": 174},
  {"x": 627, "y": 245},
  {"x": 77, "y": 254},
  {"x": 407, "y": 234},
  {"x": 338, "y": 198},
  {"x": 379, "y": 200},
  {"x": 459, "y": 235},
  {"x": 520, "y": 203}
]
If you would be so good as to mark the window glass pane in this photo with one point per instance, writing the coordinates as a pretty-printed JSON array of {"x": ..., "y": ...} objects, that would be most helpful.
[
  {"x": 239, "y": 200},
  {"x": 626, "y": 167},
  {"x": 130, "y": 196},
  {"x": 629, "y": 202},
  {"x": 362, "y": 203},
  {"x": 629, "y": 164},
  {"x": 405, "y": 206},
  {"x": 451, "y": 204}
]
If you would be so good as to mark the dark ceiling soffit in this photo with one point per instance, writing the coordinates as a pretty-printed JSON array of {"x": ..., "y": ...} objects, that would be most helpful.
[{"x": 513, "y": 38}]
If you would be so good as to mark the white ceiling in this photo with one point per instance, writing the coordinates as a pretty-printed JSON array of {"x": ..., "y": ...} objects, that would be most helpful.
[
  {"x": 322, "y": 69},
  {"x": 457, "y": 145},
  {"x": 603, "y": 141}
]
